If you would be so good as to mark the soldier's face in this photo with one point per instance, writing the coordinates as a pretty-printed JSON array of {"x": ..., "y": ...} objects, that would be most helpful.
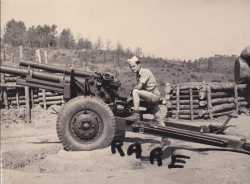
[{"x": 134, "y": 67}]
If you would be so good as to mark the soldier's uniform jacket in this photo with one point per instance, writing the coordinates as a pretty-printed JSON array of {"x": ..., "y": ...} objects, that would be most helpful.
[{"x": 146, "y": 77}]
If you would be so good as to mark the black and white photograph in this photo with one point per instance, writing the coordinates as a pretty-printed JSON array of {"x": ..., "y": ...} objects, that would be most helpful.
[{"x": 122, "y": 92}]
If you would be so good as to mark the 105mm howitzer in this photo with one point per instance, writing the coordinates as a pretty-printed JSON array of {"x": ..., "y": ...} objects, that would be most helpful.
[{"x": 95, "y": 115}]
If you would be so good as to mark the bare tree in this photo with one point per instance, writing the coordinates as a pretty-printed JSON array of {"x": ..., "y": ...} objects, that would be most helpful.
[
  {"x": 108, "y": 45},
  {"x": 98, "y": 44}
]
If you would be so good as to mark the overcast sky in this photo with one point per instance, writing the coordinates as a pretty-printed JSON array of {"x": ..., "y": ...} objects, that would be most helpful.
[{"x": 184, "y": 29}]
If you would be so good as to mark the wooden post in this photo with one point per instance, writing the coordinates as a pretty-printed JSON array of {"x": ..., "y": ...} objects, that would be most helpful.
[
  {"x": 20, "y": 53},
  {"x": 63, "y": 102},
  {"x": 168, "y": 90},
  {"x": 5, "y": 95},
  {"x": 17, "y": 98},
  {"x": 4, "y": 54},
  {"x": 32, "y": 98},
  {"x": 236, "y": 98},
  {"x": 38, "y": 57},
  {"x": 45, "y": 57},
  {"x": 27, "y": 92},
  {"x": 27, "y": 103},
  {"x": 191, "y": 103},
  {"x": 209, "y": 102},
  {"x": 104, "y": 56},
  {"x": 12, "y": 58},
  {"x": 44, "y": 99},
  {"x": 177, "y": 101}
]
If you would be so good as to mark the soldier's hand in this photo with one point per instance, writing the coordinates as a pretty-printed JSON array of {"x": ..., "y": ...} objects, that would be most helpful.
[{"x": 129, "y": 100}]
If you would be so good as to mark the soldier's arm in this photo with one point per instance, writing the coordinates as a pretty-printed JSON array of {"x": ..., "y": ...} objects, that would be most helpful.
[
  {"x": 139, "y": 85},
  {"x": 142, "y": 80}
]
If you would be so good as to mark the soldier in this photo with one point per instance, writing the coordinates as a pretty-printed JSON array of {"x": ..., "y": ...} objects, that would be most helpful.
[
  {"x": 242, "y": 67},
  {"x": 146, "y": 89}
]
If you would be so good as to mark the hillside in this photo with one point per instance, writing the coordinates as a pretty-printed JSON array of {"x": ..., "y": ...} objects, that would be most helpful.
[{"x": 217, "y": 68}]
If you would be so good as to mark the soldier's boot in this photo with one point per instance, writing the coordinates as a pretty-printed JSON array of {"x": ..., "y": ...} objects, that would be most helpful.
[{"x": 134, "y": 117}]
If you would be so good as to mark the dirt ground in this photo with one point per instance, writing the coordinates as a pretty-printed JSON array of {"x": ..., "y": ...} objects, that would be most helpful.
[{"x": 32, "y": 154}]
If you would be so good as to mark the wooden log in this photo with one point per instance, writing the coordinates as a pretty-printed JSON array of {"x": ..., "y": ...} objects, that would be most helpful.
[
  {"x": 9, "y": 75},
  {"x": 185, "y": 106},
  {"x": 186, "y": 91},
  {"x": 223, "y": 107},
  {"x": 202, "y": 103},
  {"x": 22, "y": 102},
  {"x": 183, "y": 116},
  {"x": 48, "y": 93},
  {"x": 221, "y": 94},
  {"x": 52, "y": 98},
  {"x": 193, "y": 85},
  {"x": 184, "y": 97},
  {"x": 224, "y": 113},
  {"x": 226, "y": 86},
  {"x": 57, "y": 102},
  {"x": 199, "y": 112},
  {"x": 11, "y": 80},
  {"x": 217, "y": 101},
  {"x": 9, "y": 85},
  {"x": 51, "y": 95},
  {"x": 187, "y": 117},
  {"x": 21, "y": 97},
  {"x": 184, "y": 102}
]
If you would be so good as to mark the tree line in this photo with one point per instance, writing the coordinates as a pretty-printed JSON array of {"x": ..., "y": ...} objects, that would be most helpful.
[{"x": 16, "y": 33}]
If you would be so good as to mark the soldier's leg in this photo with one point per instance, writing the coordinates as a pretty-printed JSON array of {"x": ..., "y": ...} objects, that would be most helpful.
[
  {"x": 146, "y": 95},
  {"x": 159, "y": 113}
]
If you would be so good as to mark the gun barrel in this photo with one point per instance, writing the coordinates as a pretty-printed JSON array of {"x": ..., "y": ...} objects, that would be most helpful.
[
  {"x": 57, "y": 69},
  {"x": 24, "y": 72}
]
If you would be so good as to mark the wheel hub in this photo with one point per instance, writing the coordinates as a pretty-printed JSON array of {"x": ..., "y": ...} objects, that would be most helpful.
[{"x": 86, "y": 125}]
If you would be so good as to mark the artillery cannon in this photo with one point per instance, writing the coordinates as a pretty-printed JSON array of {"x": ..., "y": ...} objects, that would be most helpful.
[{"x": 96, "y": 116}]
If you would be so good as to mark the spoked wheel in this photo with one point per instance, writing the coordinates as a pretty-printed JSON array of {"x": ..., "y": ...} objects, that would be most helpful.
[{"x": 86, "y": 123}]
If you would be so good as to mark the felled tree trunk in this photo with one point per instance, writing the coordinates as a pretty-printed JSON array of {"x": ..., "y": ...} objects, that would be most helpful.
[
  {"x": 227, "y": 100},
  {"x": 228, "y": 106}
]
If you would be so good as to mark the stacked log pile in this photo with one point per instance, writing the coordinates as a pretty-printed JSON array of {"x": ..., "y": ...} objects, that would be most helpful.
[
  {"x": 47, "y": 98},
  {"x": 12, "y": 95},
  {"x": 206, "y": 100},
  {"x": 227, "y": 98}
]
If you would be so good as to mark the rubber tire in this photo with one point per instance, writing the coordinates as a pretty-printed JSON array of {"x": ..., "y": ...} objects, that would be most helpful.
[{"x": 75, "y": 105}]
